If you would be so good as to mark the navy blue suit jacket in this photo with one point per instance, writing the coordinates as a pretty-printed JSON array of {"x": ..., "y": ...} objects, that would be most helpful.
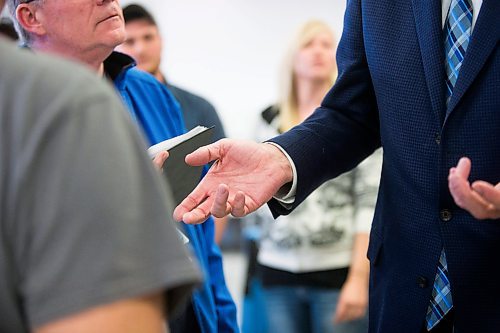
[{"x": 391, "y": 92}]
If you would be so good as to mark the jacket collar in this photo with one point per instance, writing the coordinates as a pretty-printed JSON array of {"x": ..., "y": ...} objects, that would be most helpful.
[
  {"x": 483, "y": 41},
  {"x": 116, "y": 64},
  {"x": 430, "y": 36},
  {"x": 428, "y": 23}
]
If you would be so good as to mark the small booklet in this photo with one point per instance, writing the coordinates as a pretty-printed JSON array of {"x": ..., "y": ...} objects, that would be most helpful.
[{"x": 181, "y": 177}]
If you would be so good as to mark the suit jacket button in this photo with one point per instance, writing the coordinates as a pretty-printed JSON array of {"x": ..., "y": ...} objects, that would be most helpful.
[
  {"x": 437, "y": 138},
  {"x": 422, "y": 282},
  {"x": 445, "y": 215}
]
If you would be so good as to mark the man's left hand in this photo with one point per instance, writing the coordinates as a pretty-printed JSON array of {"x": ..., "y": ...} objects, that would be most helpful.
[{"x": 481, "y": 199}]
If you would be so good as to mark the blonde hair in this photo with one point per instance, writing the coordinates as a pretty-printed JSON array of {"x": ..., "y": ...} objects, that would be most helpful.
[{"x": 288, "y": 99}]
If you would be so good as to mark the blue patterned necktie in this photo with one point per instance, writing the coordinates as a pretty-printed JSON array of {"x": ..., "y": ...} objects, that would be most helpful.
[
  {"x": 457, "y": 32},
  {"x": 441, "y": 302}
]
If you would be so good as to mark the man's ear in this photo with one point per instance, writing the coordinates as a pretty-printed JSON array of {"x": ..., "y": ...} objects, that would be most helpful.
[{"x": 27, "y": 16}]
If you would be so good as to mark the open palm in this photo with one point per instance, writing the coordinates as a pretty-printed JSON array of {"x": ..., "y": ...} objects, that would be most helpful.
[
  {"x": 245, "y": 176},
  {"x": 480, "y": 198}
]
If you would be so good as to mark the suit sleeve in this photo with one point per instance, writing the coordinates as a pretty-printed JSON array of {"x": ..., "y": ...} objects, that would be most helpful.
[{"x": 345, "y": 129}]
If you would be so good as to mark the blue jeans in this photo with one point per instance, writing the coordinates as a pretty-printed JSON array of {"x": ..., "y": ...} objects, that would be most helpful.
[{"x": 297, "y": 309}]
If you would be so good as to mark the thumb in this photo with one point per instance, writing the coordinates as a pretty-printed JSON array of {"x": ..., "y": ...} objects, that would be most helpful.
[
  {"x": 205, "y": 154},
  {"x": 340, "y": 312},
  {"x": 463, "y": 167}
]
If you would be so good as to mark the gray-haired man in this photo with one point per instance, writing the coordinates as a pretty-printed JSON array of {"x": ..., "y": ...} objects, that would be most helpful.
[{"x": 85, "y": 241}]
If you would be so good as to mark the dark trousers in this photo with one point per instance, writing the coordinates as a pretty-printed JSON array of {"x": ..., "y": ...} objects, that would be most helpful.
[{"x": 444, "y": 326}]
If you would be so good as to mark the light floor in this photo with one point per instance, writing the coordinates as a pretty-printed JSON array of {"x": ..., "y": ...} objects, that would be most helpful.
[{"x": 235, "y": 265}]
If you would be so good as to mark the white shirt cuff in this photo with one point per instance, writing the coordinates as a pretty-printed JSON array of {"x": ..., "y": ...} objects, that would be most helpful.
[{"x": 286, "y": 194}]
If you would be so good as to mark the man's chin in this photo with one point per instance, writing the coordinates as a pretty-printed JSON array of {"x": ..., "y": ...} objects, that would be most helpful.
[{"x": 115, "y": 38}]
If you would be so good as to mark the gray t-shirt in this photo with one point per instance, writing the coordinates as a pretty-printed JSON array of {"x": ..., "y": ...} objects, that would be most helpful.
[{"x": 83, "y": 213}]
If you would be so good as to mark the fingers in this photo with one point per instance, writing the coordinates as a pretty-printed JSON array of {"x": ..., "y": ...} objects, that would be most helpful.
[
  {"x": 488, "y": 192},
  {"x": 205, "y": 154},
  {"x": 193, "y": 211},
  {"x": 238, "y": 205},
  {"x": 221, "y": 207},
  {"x": 465, "y": 196},
  {"x": 196, "y": 200},
  {"x": 196, "y": 215},
  {"x": 160, "y": 159},
  {"x": 491, "y": 195}
]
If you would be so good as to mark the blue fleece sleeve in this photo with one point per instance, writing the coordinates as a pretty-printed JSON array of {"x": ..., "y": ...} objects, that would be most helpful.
[{"x": 226, "y": 309}]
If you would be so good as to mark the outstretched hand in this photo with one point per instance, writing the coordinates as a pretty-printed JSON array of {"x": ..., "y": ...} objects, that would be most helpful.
[
  {"x": 481, "y": 199},
  {"x": 244, "y": 177}
]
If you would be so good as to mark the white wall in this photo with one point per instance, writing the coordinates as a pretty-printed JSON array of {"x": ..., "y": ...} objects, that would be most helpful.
[{"x": 229, "y": 51}]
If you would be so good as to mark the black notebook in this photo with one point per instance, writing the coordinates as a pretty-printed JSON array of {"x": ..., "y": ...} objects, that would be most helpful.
[{"x": 181, "y": 177}]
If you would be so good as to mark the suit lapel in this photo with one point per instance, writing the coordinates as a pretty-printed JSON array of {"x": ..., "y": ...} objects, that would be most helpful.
[
  {"x": 428, "y": 24},
  {"x": 483, "y": 40}
]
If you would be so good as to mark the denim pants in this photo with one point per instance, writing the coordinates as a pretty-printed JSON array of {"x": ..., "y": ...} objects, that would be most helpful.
[{"x": 301, "y": 309}]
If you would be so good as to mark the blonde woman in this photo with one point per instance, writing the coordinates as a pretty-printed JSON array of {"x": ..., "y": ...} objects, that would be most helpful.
[{"x": 313, "y": 262}]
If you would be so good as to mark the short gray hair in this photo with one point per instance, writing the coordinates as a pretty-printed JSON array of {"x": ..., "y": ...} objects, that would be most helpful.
[{"x": 24, "y": 36}]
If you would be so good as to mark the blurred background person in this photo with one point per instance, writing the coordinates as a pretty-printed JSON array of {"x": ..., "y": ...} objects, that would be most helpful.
[
  {"x": 145, "y": 44},
  {"x": 312, "y": 263}
]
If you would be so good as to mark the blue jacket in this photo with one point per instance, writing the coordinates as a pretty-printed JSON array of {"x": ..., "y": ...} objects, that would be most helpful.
[
  {"x": 159, "y": 115},
  {"x": 391, "y": 92}
]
